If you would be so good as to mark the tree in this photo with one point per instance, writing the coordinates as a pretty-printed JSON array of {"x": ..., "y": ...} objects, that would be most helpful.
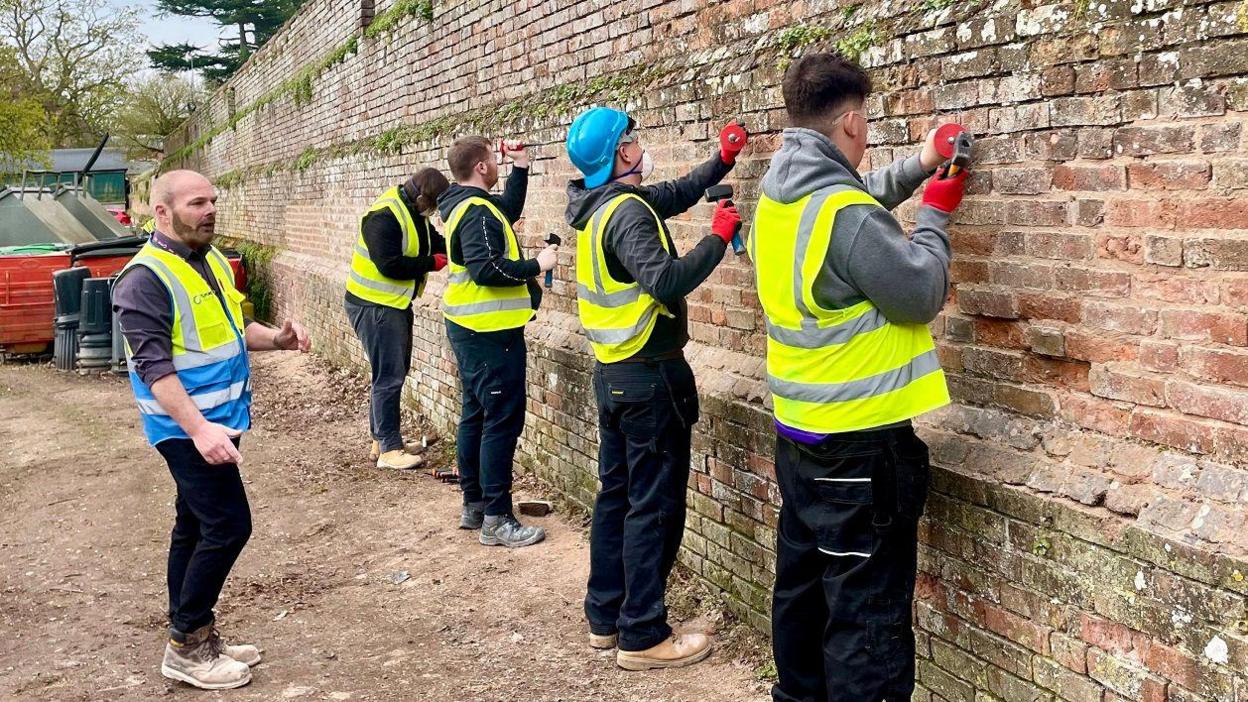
[
  {"x": 72, "y": 58},
  {"x": 22, "y": 119},
  {"x": 154, "y": 106},
  {"x": 255, "y": 21}
]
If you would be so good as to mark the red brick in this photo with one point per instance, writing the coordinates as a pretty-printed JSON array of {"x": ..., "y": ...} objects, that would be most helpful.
[
  {"x": 1145, "y": 141},
  {"x": 1096, "y": 282},
  {"x": 1223, "y": 366},
  {"x": 1069, "y": 652},
  {"x": 1225, "y": 404},
  {"x": 1168, "y": 175},
  {"x": 1119, "y": 317},
  {"x": 1037, "y": 213},
  {"x": 1046, "y": 306},
  {"x": 999, "y": 333},
  {"x": 1052, "y": 371},
  {"x": 1013, "y": 627},
  {"x": 1098, "y": 347},
  {"x": 1111, "y": 636},
  {"x": 1159, "y": 356},
  {"x": 1170, "y": 429},
  {"x": 1120, "y": 247},
  {"x": 1021, "y": 181},
  {"x": 1175, "y": 286},
  {"x": 988, "y": 303},
  {"x": 1195, "y": 325},
  {"x": 1089, "y": 177},
  {"x": 963, "y": 271},
  {"x": 1225, "y": 253},
  {"x": 1163, "y": 250},
  {"x": 1058, "y": 245},
  {"x": 1119, "y": 382},
  {"x": 1212, "y": 213},
  {"x": 1133, "y": 213},
  {"x": 1105, "y": 416}
]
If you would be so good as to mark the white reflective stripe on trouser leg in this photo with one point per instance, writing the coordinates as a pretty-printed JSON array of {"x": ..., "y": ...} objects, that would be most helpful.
[
  {"x": 844, "y": 553},
  {"x": 203, "y": 401}
]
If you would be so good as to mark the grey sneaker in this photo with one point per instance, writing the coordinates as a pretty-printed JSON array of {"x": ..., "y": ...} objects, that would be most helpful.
[
  {"x": 472, "y": 516},
  {"x": 201, "y": 662},
  {"x": 505, "y": 530}
]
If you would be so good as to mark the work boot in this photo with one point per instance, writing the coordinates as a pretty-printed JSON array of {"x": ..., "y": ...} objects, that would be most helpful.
[
  {"x": 374, "y": 451},
  {"x": 603, "y": 642},
  {"x": 243, "y": 653},
  {"x": 399, "y": 460},
  {"x": 200, "y": 661},
  {"x": 505, "y": 530},
  {"x": 676, "y": 652},
  {"x": 472, "y": 516},
  {"x": 413, "y": 447}
]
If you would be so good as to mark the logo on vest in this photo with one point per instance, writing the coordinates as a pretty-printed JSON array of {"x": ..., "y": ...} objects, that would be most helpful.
[{"x": 200, "y": 298}]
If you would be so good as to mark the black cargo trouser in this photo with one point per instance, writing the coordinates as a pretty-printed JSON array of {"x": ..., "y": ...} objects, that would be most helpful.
[
  {"x": 492, "y": 381},
  {"x": 646, "y": 413},
  {"x": 386, "y": 333},
  {"x": 846, "y": 559}
]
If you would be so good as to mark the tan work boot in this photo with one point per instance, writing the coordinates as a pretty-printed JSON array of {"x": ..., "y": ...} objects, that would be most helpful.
[
  {"x": 603, "y": 642},
  {"x": 676, "y": 652},
  {"x": 399, "y": 460},
  {"x": 374, "y": 450},
  {"x": 201, "y": 662},
  {"x": 243, "y": 653},
  {"x": 413, "y": 447}
]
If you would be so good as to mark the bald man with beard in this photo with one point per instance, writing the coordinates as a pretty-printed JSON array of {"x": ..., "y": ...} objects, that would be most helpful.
[{"x": 186, "y": 346}]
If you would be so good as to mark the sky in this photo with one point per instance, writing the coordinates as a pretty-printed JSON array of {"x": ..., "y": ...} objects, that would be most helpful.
[{"x": 173, "y": 29}]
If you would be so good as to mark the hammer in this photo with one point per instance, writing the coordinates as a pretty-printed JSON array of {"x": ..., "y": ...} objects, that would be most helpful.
[
  {"x": 954, "y": 143},
  {"x": 715, "y": 193},
  {"x": 551, "y": 239}
]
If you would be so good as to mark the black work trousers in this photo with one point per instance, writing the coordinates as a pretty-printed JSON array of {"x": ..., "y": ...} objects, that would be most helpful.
[
  {"x": 211, "y": 526},
  {"x": 646, "y": 413},
  {"x": 845, "y": 566},
  {"x": 386, "y": 333},
  {"x": 492, "y": 383}
]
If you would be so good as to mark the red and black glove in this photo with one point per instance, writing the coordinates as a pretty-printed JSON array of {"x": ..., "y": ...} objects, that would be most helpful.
[
  {"x": 732, "y": 139},
  {"x": 439, "y": 262},
  {"x": 726, "y": 220},
  {"x": 945, "y": 193}
]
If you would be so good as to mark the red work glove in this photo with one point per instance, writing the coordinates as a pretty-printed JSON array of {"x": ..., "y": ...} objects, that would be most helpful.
[
  {"x": 439, "y": 262},
  {"x": 945, "y": 194},
  {"x": 732, "y": 139},
  {"x": 726, "y": 221}
]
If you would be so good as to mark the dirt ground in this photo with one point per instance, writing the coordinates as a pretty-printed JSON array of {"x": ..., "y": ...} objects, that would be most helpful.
[{"x": 85, "y": 513}]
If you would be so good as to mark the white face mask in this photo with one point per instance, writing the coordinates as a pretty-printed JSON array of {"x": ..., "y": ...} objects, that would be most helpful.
[{"x": 647, "y": 165}]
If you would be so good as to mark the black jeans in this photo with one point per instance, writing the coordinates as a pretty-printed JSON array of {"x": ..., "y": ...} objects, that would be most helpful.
[
  {"x": 492, "y": 382},
  {"x": 845, "y": 566},
  {"x": 386, "y": 333},
  {"x": 646, "y": 413},
  {"x": 212, "y": 525}
]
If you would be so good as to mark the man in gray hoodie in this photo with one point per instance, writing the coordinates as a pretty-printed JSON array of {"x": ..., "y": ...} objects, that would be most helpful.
[{"x": 847, "y": 296}]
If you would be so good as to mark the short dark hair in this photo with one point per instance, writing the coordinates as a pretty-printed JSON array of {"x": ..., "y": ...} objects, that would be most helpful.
[
  {"x": 817, "y": 84},
  {"x": 466, "y": 153},
  {"x": 424, "y": 187}
]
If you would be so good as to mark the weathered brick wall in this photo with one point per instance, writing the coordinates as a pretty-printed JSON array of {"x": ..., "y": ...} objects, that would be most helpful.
[{"x": 1087, "y": 533}]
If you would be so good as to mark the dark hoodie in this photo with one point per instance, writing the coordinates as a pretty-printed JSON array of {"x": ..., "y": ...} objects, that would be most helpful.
[
  {"x": 480, "y": 244},
  {"x": 634, "y": 253},
  {"x": 383, "y": 237}
]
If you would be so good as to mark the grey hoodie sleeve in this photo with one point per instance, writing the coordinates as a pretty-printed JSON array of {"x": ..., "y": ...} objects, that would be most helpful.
[
  {"x": 633, "y": 236},
  {"x": 896, "y": 182},
  {"x": 907, "y": 278}
]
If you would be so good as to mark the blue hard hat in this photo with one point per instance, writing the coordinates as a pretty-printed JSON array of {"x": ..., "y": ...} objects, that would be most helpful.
[{"x": 592, "y": 139}]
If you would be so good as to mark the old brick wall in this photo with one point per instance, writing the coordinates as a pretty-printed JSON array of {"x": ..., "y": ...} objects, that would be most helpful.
[{"x": 1087, "y": 531}]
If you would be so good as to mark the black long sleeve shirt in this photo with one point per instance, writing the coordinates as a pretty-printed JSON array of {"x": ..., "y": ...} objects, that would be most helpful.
[{"x": 383, "y": 237}]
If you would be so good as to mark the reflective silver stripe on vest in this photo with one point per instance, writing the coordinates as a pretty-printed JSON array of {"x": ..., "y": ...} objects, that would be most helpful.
[
  {"x": 471, "y": 308},
  {"x": 190, "y": 334},
  {"x": 620, "y": 298},
  {"x": 813, "y": 337},
  {"x": 594, "y": 225},
  {"x": 204, "y": 401},
  {"x": 459, "y": 277},
  {"x": 362, "y": 250},
  {"x": 619, "y": 336},
  {"x": 382, "y": 287},
  {"x": 827, "y": 393},
  {"x": 197, "y": 359}
]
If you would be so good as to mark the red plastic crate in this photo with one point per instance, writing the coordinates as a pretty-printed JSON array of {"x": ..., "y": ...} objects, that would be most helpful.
[{"x": 26, "y": 303}]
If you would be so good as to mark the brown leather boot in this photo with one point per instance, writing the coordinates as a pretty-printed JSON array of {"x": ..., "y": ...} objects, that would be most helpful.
[
  {"x": 200, "y": 661},
  {"x": 676, "y": 652}
]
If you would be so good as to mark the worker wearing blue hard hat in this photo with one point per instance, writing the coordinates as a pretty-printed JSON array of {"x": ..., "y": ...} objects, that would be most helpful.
[{"x": 631, "y": 288}]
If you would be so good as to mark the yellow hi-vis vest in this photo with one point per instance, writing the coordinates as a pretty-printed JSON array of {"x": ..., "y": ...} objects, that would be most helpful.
[
  {"x": 833, "y": 370},
  {"x": 483, "y": 308},
  {"x": 209, "y": 350},
  {"x": 365, "y": 281},
  {"x": 618, "y": 317}
]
